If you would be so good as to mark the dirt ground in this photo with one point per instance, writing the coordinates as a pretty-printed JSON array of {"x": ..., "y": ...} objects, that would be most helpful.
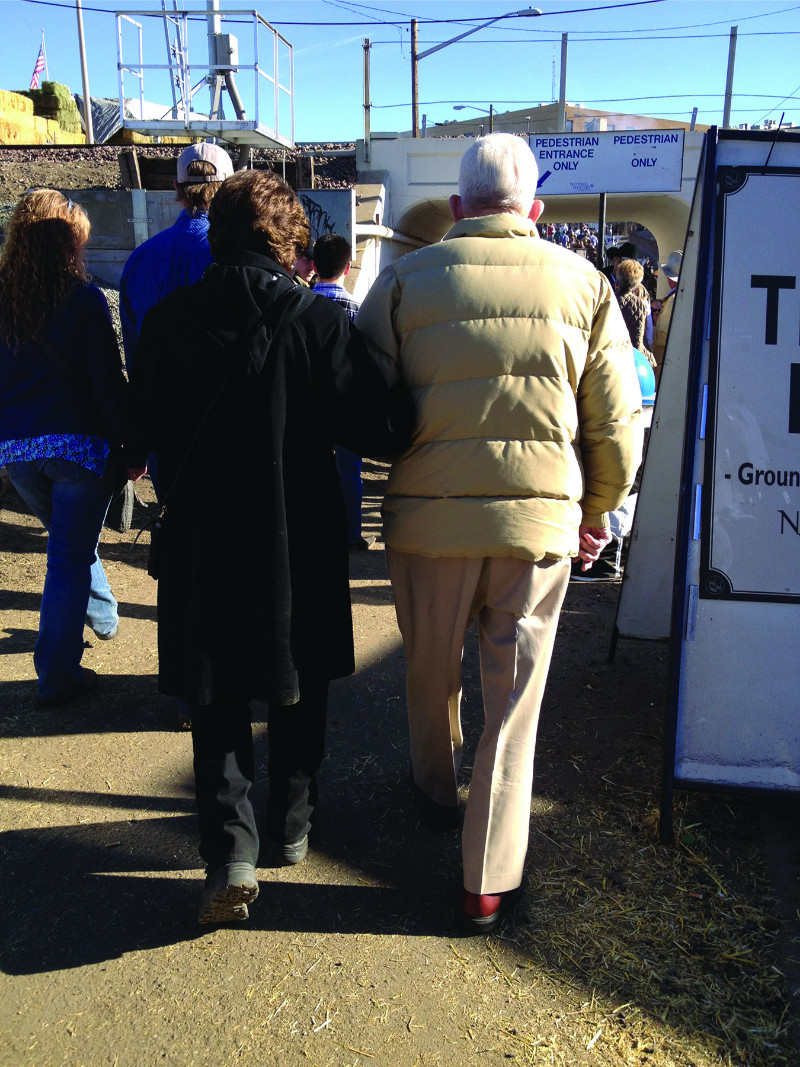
[{"x": 622, "y": 951}]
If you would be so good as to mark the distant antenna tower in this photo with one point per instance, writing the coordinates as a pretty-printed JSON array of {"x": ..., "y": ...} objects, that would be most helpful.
[{"x": 553, "y": 83}]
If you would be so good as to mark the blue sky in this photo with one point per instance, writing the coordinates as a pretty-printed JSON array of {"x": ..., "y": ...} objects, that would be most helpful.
[{"x": 661, "y": 57}]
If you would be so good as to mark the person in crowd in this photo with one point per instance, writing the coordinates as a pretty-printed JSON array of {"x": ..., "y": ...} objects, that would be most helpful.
[
  {"x": 672, "y": 270},
  {"x": 526, "y": 438},
  {"x": 627, "y": 250},
  {"x": 245, "y": 381},
  {"x": 62, "y": 393},
  {"x": 649, "y": 280},
  {"x": 634, "y": 303},
  {"x": 178, "y": 255},
  {"x": 614, "y": 255},
  {"x": 331, "y": 264},
  {"x": 303, "y": 270}
]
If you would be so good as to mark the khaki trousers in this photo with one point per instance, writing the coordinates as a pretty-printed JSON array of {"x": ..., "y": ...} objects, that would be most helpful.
[{"x": 517, "y": 604}]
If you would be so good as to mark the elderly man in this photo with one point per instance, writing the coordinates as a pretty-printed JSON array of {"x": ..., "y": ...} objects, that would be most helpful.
[{"x": 526, "y": 438}]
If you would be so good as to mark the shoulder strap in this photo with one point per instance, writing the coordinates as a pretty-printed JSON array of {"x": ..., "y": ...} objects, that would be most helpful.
[{"x": 238, "y": 345}]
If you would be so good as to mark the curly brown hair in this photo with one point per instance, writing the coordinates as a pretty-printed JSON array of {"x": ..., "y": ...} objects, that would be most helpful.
[
  {"x": 257, "y": 210},
  {"x": 41, "y": 263}
]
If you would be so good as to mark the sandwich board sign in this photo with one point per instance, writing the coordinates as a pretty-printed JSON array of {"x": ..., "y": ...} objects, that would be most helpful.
[{"x": 735, "y": 685}]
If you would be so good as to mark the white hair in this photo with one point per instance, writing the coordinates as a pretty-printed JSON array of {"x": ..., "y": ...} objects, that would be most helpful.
[{"x": 498, "y": 171}]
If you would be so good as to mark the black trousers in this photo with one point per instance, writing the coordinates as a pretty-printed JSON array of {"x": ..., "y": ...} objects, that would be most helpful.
[{"x": 222, "y": 739}]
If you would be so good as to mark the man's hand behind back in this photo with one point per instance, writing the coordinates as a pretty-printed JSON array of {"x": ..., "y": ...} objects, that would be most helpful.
[{"x": 593, "y": 539}]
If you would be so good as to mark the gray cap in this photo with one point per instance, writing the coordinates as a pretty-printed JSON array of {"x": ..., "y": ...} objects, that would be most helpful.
[{"x": 208, "y": 153}]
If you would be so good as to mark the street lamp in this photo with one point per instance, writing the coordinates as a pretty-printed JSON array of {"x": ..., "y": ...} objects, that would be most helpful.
[
  {"x": 490, "y": 113},
  {"x": 416, "y": 55}
]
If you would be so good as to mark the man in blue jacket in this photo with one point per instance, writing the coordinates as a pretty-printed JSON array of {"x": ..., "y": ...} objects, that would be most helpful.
[{"x": 177, "y": 256}]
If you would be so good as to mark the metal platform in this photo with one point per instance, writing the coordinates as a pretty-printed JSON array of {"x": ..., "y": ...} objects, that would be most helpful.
[
  {"x": 264, "y": 60},
  {"x": 234, "y": 131}
]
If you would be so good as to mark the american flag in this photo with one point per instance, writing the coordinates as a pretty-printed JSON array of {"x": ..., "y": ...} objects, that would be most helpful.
[{"x": 37, "y": 70}]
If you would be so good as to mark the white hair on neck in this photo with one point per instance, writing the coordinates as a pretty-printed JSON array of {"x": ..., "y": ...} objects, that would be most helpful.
[{"x": 498, "y": 171}]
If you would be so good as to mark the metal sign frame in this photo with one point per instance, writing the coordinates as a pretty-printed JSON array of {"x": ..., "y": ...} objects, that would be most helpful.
[
  {"x": 734, "y": 674},
  {"x": 750, "y": 491}
]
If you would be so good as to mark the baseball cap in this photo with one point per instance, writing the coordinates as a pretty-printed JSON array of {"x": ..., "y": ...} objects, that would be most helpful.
[{"x": 208, "y": 153}]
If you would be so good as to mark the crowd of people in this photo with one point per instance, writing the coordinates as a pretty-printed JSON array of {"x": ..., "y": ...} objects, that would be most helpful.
[
  {"x": 493, "y": 367},
  {"x": 581, "y": 238}
]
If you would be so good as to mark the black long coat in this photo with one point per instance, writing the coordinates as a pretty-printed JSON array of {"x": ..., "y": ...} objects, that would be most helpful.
[{"x": 253, "y": 587}]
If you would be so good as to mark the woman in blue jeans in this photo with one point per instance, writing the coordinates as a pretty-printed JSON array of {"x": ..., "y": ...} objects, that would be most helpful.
[{"x": 61, "y": 416}]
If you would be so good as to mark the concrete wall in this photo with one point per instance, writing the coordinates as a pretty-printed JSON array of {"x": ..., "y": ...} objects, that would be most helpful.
[{"x": 121, "y": 220}]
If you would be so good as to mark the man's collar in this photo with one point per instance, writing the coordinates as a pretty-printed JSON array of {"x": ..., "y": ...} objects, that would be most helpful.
[{"x": 504, "y": 224}]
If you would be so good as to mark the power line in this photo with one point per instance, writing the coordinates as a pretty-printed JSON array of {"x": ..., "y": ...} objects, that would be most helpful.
[
  {"x": 584, "y": 104},
  {"x": 627, "y": 40},
  {"x": 621, "y": 99},
  {"x": 65, "y": 4},
  {"x": 775, "y": 108},
  {"x": 376, "y": 22}
]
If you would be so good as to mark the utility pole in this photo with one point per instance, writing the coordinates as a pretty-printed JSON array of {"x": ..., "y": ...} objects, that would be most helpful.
[
  {"x": 87, "y": 100},
  {"x": 562, "y": 92},
  {"x": 416, "y": 55},
  {"x": 414, "y": 79},
  {"x": 726, "y": 116},
  {"x": 214, "y": 76},
  {"x": 367, "y": 102},
  {"x": 553, "y": 79}
]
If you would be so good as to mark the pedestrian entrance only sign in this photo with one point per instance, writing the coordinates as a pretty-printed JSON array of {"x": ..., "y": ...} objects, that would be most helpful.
[{"x": 625, "y": 161}]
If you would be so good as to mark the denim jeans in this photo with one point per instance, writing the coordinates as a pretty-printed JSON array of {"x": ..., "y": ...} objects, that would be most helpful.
[
  {"x": 348, "y": 464},
  {"x": 222, "y": 741},
  {"x": 71, "y": 502}
]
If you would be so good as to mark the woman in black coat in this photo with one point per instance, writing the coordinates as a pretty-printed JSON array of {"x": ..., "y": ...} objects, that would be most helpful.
[{"x": 243, "y": 383}]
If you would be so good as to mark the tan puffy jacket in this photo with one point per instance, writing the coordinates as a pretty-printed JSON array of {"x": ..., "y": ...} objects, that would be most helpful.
[{"x": 526, "y": 392}]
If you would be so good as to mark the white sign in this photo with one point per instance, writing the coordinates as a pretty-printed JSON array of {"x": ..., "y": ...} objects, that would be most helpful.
[
  {"x": 735, "y": 670},
  {"x": 630, "y": 161},
  {"x": 753, "y": 548}
]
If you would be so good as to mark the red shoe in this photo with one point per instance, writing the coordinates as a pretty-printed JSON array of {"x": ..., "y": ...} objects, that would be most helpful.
[{"x": 481, "y": 912}]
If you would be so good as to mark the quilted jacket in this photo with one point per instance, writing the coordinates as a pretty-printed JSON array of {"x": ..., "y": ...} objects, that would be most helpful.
[
  {"x": 634, "y": 312},
  {"x": 525, "y": 387}
]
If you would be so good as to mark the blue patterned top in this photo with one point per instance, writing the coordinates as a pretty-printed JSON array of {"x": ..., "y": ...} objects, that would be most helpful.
[
  {"x": 89, "y": 452},
  {"x": 46, "y": 413},
  {"x": 338, "y": 293}
]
